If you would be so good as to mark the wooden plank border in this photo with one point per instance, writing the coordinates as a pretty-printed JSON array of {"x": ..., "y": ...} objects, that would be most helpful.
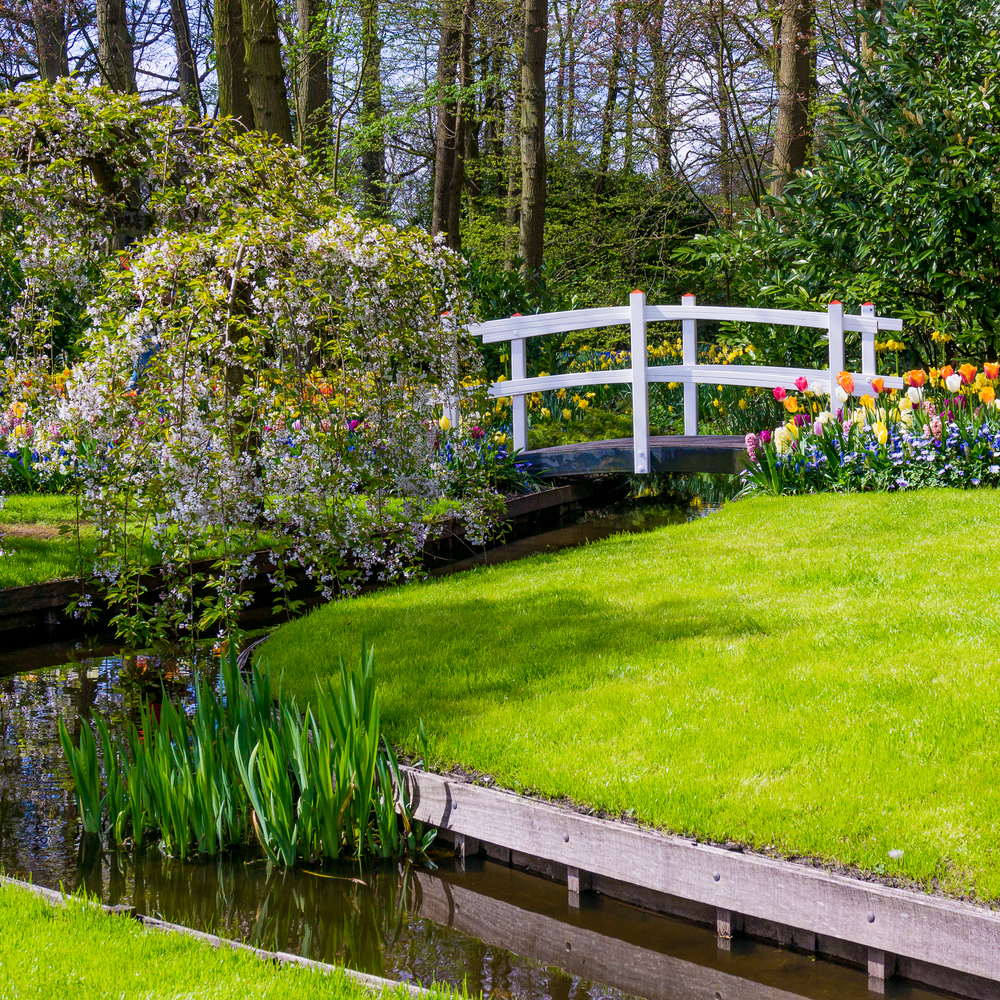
[
  {"x": 942, "y": 932},
  {"x": 376, "y": 983}
]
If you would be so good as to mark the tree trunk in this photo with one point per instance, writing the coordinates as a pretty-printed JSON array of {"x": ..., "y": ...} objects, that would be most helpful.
[
  {"x": 533, "y": 166},
  {"x": 722, "y": 88},
  {"x": 187, "y": 64},
  {"x": 560, "y": 108},
  {"x": 444, "y": 159},
  {"x": 462, "y": 115},
  {"x": 49, "y": 19},
  {"x": 230, "y": 62},
  {"x": 571, "y": 74},
  {"x": 313, "y": 96},
  {"x": 633, "y": 70},
  {"x": 373, "y": 153},
  {"x": 513, "y": 205},
  {"x": 608, "y": 118},
  {"x": 265, "y": 73},
  {"x": 114, "y": 47},
  {"x": 791, "y": 130},
  {"x": 658, "y": 98}
]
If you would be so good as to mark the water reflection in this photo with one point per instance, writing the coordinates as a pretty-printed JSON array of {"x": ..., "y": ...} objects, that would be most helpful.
[{"x": 497, "y": 930}]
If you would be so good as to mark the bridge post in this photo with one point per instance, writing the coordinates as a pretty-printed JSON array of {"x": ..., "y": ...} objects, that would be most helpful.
[
  {"x": 452, "y": 396},
  {"x": 868, "y": 365},
  {"x": 519, "y": 404},
  {"x": 640, "y": 382},
  {"x": 689, "y": 356},
  {"x": 838, "y": 355}
]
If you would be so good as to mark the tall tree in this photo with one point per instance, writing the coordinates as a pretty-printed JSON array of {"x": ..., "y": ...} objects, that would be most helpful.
[
  {"x": 187, "y": 64},
  {"x": 115, "y": 54},
  {"x": 373, "y": 151},
  {"x": 265, "y": 73},
  {"x": 792, "y": 135},
  {"x": 465, "y": 110},
  {"x": 313, "y": 95},
  {"x": 608, "y": 118},
  {"x": 659, "y": 111},
  {"x": 533, "y": 166},
  {"x": 51, "y": 41},
  {"x": 444, "y": 155},
  {"x": 230, "y": 62}
]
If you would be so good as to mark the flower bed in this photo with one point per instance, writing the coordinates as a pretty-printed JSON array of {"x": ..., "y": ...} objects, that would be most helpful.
[{"x": 944, "y": 430}]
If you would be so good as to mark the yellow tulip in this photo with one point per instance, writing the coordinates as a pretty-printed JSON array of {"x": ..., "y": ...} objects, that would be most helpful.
[
  {"x": 445, "y": 424},
  {"x": 19, "y": 410},
  {"x": 881, "y": 433},
  {"x": 500, "y": 438},
  {"x": 867, "y": 402},
  {"x": 546, "y": 413},
  {"x": 567, "y": 414}
]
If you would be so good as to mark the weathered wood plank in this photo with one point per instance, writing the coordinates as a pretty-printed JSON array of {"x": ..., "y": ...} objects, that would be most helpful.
[{"x": 943, "y": 932}]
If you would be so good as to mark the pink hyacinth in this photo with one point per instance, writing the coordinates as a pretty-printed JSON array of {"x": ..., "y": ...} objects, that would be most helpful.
[{"x": 751, "y": 445}]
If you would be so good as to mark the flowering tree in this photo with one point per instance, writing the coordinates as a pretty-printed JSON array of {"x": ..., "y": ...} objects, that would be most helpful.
[{"x": 261, "y": 369}]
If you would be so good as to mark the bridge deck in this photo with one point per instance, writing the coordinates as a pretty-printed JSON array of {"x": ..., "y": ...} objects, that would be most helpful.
[{"x": 704, "y": 453}]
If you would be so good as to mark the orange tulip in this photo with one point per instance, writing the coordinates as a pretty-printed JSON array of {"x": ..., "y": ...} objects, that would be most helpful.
[
  {"x": 792, "y": 404},
  {"x": 991, "y": 369},
  {"x": 878, "y": 385},
  {"x": 987, "y": 395},
  {"x": 968, "y": 373},
  {"x": 945, "y": 372},
  {"x": 915, "y": 378},
  {"x": 845, "y": 382}
]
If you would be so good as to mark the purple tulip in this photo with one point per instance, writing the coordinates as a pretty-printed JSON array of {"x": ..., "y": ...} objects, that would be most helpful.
[{"x": 765, "y": 436}]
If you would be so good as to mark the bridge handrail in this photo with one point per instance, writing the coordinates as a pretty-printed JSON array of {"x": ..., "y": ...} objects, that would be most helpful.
[
  {"x": 572, "y": 320},
  {"x": 690, "y": 373}
]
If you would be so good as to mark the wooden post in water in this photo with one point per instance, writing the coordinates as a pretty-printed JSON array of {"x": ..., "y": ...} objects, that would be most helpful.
[
  {"x": 519, "y": 404},
  {"x": 689, "y": 356},
  {"x": 838, "y": 355},
  {"x": 640, "y": 382}
]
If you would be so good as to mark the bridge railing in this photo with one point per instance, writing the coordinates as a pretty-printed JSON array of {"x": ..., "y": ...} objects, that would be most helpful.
[{"x": 638, "y": 315}]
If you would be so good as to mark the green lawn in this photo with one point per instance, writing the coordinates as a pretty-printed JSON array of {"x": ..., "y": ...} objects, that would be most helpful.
[
  {"x": 816, "y": 674},
  {"x": 79, "y": 952}
]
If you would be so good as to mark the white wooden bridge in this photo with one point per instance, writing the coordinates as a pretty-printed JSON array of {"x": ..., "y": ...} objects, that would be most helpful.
[{"x": 689, "y": 452}]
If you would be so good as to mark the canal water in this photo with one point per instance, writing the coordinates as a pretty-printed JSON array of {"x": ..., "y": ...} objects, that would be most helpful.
[{"x": 493, "y": 929}]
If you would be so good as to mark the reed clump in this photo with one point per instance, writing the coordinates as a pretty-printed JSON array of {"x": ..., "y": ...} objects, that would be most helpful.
[{"x": 248, "y": 763}]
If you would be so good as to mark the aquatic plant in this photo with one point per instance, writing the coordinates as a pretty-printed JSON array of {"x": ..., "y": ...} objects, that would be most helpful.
[{"x": 307, "y": 786}]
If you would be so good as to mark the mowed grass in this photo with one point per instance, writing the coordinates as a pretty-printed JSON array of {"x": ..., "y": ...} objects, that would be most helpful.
[
  {"x": 80, "y": 952},
  {"x": 33, "y": 551},
  {"x": 817, "y": 675}
]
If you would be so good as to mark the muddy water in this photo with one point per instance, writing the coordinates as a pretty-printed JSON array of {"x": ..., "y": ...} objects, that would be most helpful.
[{"x": 495, "y": 929}]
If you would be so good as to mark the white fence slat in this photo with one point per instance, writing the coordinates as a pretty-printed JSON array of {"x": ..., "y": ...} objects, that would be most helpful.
[
  {"x": 519, "y": 403},
  {"x": 498, "y": 330},
  {"x": 689, "y": 354},
  {"x": 838, "y": 356},
  {"x": 868, "y": 366},
  {"x": 570, "y": 380},
  {"x": 760, "y": 376},
  {"x": 858, "y": 324},
  {"x": 640, "y": 385},
  {"x": 735, "y": 314}
]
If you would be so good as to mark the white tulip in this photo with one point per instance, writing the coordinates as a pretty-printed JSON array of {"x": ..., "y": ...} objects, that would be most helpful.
[
  {"x": 953, "y": 382},
  {"x": 817, "y": 388},
  {"x": 839, "y": 394},
  {"x": 825, "y": 417},
  {"x": 916, "y": 395}
]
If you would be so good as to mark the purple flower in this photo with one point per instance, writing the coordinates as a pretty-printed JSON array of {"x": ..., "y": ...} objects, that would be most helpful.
[
  {"x": 353, "y": 425},
  {"x": 765, "y": 436}
]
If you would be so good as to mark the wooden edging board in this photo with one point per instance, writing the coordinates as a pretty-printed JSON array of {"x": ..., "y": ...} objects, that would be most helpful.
[
  {"x": 887, "y": 922},
  {"x": 281, "y": 957}
]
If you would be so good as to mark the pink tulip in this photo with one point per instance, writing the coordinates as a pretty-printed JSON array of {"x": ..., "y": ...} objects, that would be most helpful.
[
  {"x": 765, "y": 436},
  {"x": 818, "y": 428},
  {"x": 802, "y": 383},
  {"x": 779, "y": 393}
]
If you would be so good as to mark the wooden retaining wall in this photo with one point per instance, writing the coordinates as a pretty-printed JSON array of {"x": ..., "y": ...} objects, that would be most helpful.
[{"x": 939, "y": 942}]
